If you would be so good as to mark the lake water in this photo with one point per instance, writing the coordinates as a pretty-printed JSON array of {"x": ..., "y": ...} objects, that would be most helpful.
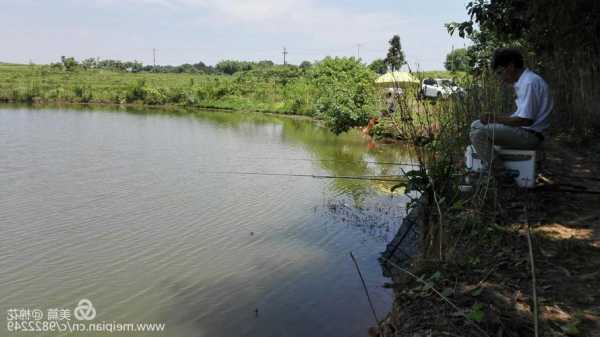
[{"x": 149, "y": 216}]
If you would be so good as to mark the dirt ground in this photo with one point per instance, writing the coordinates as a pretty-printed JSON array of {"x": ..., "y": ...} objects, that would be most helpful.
[{"x": 484, "y": 285}]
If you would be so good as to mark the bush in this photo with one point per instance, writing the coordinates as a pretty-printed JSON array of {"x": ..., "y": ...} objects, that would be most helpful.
[
  {"x": 346, "y": 95},
  {"x": 154, "y": 96},
  {"x": 136, "y": 92},
  {"x": 83, "y": 92},
  {"x": 176, "y": 95}
]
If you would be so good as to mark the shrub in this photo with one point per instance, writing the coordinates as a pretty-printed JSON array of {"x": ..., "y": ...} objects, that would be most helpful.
[
  {"x": 176, "y": 95},
  {"x": 346, "y": 95},
  {"x": 136, "y": 92},
  {"x": 154, "y": 96},
  {"x": 83, "y": 93}
]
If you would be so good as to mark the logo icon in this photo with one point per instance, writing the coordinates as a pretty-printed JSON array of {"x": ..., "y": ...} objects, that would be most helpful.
[{"x": 85, "y": 311}]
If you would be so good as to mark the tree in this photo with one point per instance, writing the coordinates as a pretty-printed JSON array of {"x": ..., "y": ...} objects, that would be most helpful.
[
  {"x": 395, "y": 56},
  {"x": 457, "y": 60},
  {"x": 378, "y": 66},
  {"x": 265, "y": 64},
  {"x": 69, "y": 63},
  {"x": 231, "y": 67},
  {"x": 345, "y": 93},
  {"x": 549, "y": 28},
  {"x": 201, "y": 67},
  {"x": 89, "y": 63},
  {"x": 305, "y": 65},
  {"x": 560, "y": 39},
  {"x": 185, "y": 68}
]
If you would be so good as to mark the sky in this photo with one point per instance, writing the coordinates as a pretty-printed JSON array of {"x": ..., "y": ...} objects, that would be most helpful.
[{"x": 189, "y": 31}]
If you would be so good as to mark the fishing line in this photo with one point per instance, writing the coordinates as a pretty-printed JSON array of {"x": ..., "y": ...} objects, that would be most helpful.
[
  {"x": 374, "y": 178},
  {"x": 332, "y": 160}
]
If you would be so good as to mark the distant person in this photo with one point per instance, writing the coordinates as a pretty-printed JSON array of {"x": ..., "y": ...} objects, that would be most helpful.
[
  {"x": 391, "y": 99},
  {"x": 524, "y": 129}
]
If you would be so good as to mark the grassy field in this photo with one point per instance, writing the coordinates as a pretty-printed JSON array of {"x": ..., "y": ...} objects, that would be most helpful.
[
  {"x": 283, "y": 93},
  {"x": 280, "y": 89}
]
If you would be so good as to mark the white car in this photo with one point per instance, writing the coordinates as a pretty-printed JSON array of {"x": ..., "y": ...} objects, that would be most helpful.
[{"x": 439, "y": 88}]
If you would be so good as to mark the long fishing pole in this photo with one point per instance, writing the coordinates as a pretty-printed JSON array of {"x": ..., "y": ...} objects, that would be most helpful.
[
  {"x": 375, "y": 178},
  {"x": 332, "y": 160}
]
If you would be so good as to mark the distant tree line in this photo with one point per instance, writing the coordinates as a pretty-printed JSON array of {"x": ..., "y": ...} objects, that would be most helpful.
[
  {"x": 393, "y": 61},
  {"x": 228, "y": 67}
]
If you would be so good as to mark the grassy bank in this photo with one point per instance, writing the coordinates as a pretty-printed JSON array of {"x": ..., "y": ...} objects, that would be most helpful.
[
  {"x": 279, "y": 90},
  {"x": 322, "y": 88},
  {"x": 498, "y": 261}
]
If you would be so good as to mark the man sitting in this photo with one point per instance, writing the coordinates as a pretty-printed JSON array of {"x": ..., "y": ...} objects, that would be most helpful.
[{"x": 524, "y": 129}]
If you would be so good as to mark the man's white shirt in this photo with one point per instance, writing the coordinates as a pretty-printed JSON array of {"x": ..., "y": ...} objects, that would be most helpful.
[{"x": 533, "y": 100}]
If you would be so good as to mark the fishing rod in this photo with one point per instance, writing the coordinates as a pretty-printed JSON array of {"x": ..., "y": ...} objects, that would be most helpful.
[
  {"x": 333, "y": 160},
  {"x": 374, "y": 178}
]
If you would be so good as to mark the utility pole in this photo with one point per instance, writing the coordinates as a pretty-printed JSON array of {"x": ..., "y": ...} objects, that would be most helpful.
[
  {"x": 358, "y": 45},
  {"x": 284, "y": 55},
  {"x": 154, "y": 57}
]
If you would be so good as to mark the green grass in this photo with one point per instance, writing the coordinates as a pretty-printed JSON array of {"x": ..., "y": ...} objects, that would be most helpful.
[
  {"x": 277, "y": 89},
  {"x": 40, "y": 83}
]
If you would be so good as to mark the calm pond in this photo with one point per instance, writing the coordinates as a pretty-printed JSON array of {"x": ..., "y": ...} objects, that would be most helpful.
[{"x": 147, "y": 215}]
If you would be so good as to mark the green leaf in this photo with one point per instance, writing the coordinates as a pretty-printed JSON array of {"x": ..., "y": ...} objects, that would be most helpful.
[
  {"x": 571, "y": 329},
  {"x": 435, "y": 276},
  {"x": 477, "y": 292},
  {"x": 476, "y": 313}
]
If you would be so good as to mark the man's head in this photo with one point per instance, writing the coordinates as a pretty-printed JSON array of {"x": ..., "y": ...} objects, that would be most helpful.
[{"x": 507, "y": 64}]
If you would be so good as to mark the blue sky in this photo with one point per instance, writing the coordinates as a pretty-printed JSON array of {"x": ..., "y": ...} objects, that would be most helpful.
[{"x": 188, "y": 31}]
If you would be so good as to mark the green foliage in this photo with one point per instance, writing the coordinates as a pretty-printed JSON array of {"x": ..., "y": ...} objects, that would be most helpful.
[
  {"x": 345, "y": 93},
  {"x": 572, "y": 328},
  {"x": 154, "y": 96},
  {"x": 305, "y": 65},
  {"x": 457, "y": 60},
  {"x": 265, "y": 87},
  {"x": 378, "y": 66},
  {"x": 69, "y": 63},
  {"x": 27, "y": 94},
  {"x": 476, "y": 313},
  {"x": 264, "y": 64},
  {"x": 546, "y": 27},
  {"x": 89, "y": 63},
  {"x": 395, "y": 57},
  {"x": 136, "y": 91},
  {"x": 140, "y": 91},
  {"x": 559, "y": 39},
  {"x": 83, "y": 92},
  {"x": 416, "y": 180},
  {"x": 231, "y": 67}
]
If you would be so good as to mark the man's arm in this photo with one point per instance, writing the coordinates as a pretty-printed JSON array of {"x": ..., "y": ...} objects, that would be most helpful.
[{"x": 506, "y": 120}]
